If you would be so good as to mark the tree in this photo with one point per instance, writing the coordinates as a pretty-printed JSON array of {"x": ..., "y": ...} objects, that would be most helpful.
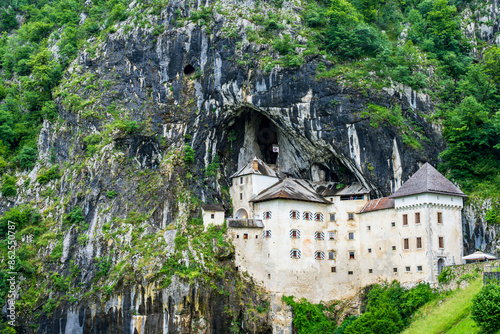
[{"x": 485, "y": 309}]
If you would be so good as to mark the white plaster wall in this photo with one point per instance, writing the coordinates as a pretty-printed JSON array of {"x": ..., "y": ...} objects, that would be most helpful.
[
  {"x": 252, "y": 185},
  {"x": 207, "y": 218},
  {"x": 428, "y": 198}
]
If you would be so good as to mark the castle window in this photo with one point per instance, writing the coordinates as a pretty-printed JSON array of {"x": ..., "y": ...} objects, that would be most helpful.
[
  {"x": 331, "y": 255},
  {"x": 332, "y": 217},
  {"x": 237, "y": 236},
  {"x": 393, "y": 224},
  {"x": 267, "y": 215},
  {"x": 334, "y": 269},
  {"x": 417, "y": 217},
  {"x": 408, "y": 269},
  {"x": 350, "y": 272},
  {"x": 350, "y": 216},
  {"x": 319, "y": 217},
  {"x": 319, "y": 235},
  {"x": 440, "y": 217},
  {"x": 370, "y": 271},
  {"x": 405, "y": 219},
  {"x": 266, "y": 233},
  {"x": 419, "y": 268},
  {"x": 369, "y": 250},
  {"x": 419, "y": 242},
  {"x": 319, "y": 255},
  {"x": 351, "y": 235},
  {"x": 241, "y": 196},
  {"x": 395, "y": 270},
  {"x": 441, "y": 242},
  {"x": 295, "y": 254},
  {"x": 245, "y": 236},
  {"x": 393, "y": 248},
  {"x": 295, "y": 234},
  {"x": 256, "y": 236},
  {"x": 368, "y": 228},
  {"x": 406, "y": 243},
  {"x": 307, "y": 216},
  {"x": 241, "y": 180},
  {"x": 294, "y": 214},
  {"x": 352, "y": 255},
  {"x": 331, "y": 235},
  {"x": 212, "y": 216}
]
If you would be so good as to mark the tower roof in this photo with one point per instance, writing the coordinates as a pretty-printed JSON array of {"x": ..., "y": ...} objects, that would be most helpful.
[
  {"x": 290, "y": 188},
  {"x": 262, "y": 169},
  {"x": 427, "y": 180}
]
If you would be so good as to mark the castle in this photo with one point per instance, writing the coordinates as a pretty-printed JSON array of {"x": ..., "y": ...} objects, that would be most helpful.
[{"x": 315, "y": 241}]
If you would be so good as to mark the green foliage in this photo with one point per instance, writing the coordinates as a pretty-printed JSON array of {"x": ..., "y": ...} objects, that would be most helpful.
[
  {"x": 9, "y": 188},
  {"x": 92, "y": 143},
  {"x": 446, "y": 275},
  {"x": 26, "y": 157},
  {"x": 111, "y": 194},
  {"x": 127, "y": 125},
  {"x": 75, "y": 216},
  {"x": 103, "y": 265},
  {"x": 22, "y": 216},
  {"x": 52, "y": 173},
  {"x": 213, "y": 168},
  {"x": 390, "y": 308},
  {"x": 189, "y": 154},
  {"x": 485, "y": 309},
  {"x": 310, "y": 318}
]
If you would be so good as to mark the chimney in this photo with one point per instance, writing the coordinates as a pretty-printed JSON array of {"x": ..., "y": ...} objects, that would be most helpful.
[{"x": 255, "y": 165}]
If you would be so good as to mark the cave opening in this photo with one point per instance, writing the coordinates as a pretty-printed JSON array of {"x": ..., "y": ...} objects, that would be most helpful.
[
  {"x": 189, "y": 70},
  {"x": 267, "y": 139}
]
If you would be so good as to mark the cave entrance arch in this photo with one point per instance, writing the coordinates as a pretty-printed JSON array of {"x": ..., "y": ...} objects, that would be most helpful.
[{"x": 241, "y": 214}]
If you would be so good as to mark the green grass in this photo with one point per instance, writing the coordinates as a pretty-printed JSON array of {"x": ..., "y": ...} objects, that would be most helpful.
[{"x": 450, "y": 315}]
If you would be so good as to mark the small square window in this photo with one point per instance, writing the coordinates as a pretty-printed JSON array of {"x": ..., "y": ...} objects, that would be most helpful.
[
  {"x": 419, "y": 268},
  {"x": 393, "y": 248},
  {"x": 350, "y": 272},
  {"x": 370, "y": 271},
  {"x": 351, "y": 255},
  {"x": 368, "y": 228},
  {"x": 351, "y": 235},
  {"x": 212, "y": 216},
  {"x": 331, "y": 255},
  {"x": 256, "y": 237},
  {"x": 395, "y": 270},
  {"x": 245, "y": 236},
  {"x": 331, "y": 235},
  {"x": 351, "y": 216},
  {"x": 236, "y": 268},
  {"x": 369, "y": 250},
  {"x": 332, "y": 217},
  {"x": 334, "y": 269},
  {"x": 269, "y": 276},
  {"x": 408, "y": 269},
  {"x": 393, "y": 224},
  {"x": 237, "y": 236}
]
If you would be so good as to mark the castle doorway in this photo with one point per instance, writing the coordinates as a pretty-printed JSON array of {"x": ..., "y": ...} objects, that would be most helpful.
[
  {"x": 440, "y": 265},
  {"x": 241, "y": 214}
]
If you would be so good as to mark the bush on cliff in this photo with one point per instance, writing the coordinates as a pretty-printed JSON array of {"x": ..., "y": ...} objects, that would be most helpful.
[{"x": 485, "y": 309}]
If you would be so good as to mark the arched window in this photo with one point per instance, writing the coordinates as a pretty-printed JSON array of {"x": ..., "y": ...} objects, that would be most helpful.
[
  {"x": 295, "y": 234},
  {"x": 295, "y": 254},
  {"x": 319, "y": 235},
  {"x": 294, "y": 214},
  {"x": 241, "y": 214},
  {"x": 319, "y": 255}
]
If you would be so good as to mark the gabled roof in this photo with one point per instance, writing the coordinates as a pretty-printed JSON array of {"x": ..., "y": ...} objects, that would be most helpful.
[
  {"x": 290, "y": 188},
  {"x": 378, "y": 204},
  {"x": 427, "y": 180},
  {"x": 213, "y": 207},
  {"x": 263, "y": 169}
]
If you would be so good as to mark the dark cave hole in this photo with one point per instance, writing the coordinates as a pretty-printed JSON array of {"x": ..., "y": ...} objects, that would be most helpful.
[
  {"x": 189, "y": 70},
  {"x": 266, "y": 138}
]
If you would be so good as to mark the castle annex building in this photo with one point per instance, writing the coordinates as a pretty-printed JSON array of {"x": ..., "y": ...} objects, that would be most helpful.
[{"x": 315, "y": 241}]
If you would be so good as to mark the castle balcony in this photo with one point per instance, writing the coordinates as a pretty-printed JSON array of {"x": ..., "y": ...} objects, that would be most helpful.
[{"x": 245, "y": 223}]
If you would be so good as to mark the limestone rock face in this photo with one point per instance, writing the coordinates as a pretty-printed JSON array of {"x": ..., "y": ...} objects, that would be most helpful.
[{"x": 193, "y": 86}]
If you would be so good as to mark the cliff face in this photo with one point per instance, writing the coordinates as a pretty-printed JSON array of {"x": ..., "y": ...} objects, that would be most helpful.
[{"x": 134, "y": 108}]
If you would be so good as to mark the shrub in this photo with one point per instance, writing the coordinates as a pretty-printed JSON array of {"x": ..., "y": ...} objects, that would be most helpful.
[
  {"x": 485, "y": 309},
  {"x": 446, "y": 276},
  {"x": 22, "y": 216},
  {"x": 189, "y": 154},
  {"x": 310, "y": 318},
  {"x": 74, "y": 217},
  {"x": 52, "y": 173},
  {"x": 26, "y": 157},
  {"x": 111, "y": 193},
  {"x": 9, "y": 186}
]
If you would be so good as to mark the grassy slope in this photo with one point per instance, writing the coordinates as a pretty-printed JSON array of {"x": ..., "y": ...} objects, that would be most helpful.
[{"x": 449, "y": 316}]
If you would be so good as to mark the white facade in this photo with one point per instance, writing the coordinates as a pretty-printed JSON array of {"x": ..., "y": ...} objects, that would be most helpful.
[
  {"x": 212, "y": 217},
  {"x": 330, "y": 250}
]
